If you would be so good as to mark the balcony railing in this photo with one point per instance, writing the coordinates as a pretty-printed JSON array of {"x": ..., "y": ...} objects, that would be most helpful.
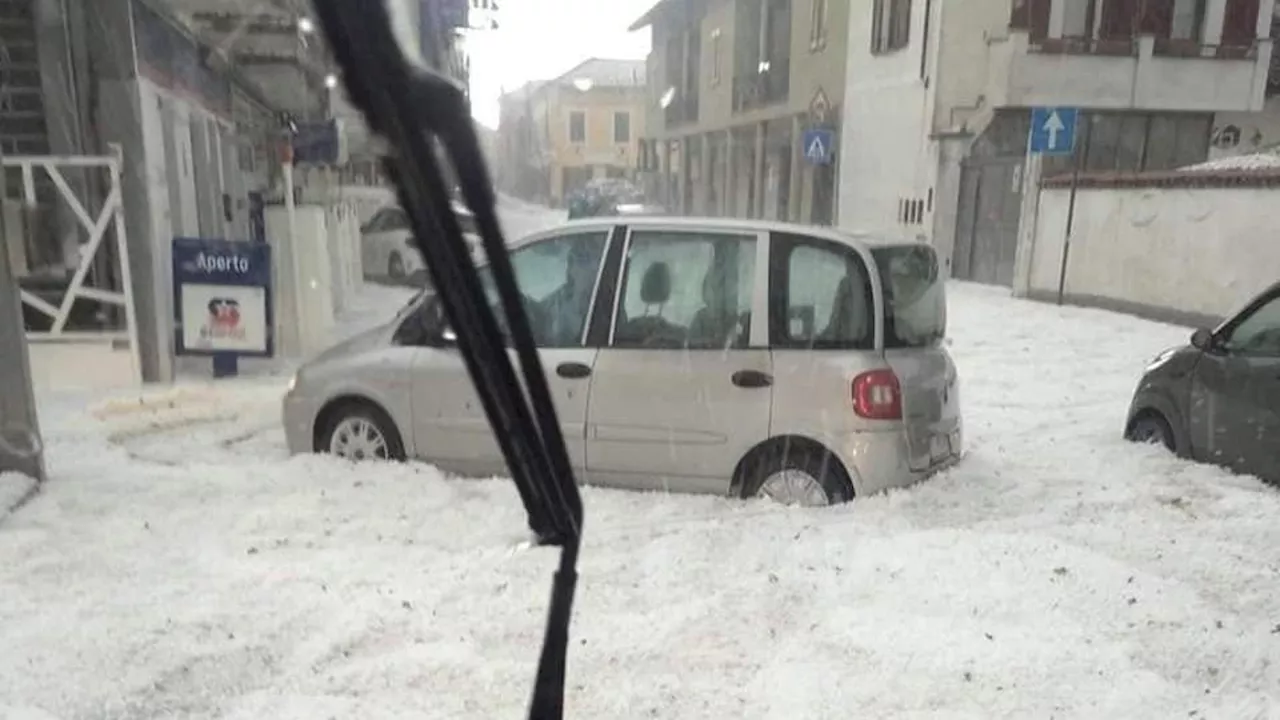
[
  {"x": 753, "y": 90},
  {"x": 1086, "y": 46}
]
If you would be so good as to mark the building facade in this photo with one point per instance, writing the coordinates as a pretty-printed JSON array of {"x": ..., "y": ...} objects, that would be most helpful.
[
  {"x": 557, "y": 135},
  {"x": 739, "y": 92},
  {"x": 936, "y": 141},
  {"x": 198, "y": 96}
]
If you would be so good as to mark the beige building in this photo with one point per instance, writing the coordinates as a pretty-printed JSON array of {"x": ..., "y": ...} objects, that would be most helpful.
[
  {"x": 556, "y": 135},
  {"x": 744, "y": 106}
]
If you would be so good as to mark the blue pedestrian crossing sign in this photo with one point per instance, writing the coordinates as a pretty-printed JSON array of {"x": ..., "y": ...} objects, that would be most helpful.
[
  {"x": 1053, "y": 130},
  {"x": 818, "y": 145}
]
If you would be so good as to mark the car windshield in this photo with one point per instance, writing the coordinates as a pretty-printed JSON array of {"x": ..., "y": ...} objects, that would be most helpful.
[
  {"x": 915, "y": 295},
  {"x": 840, "y": 312}
]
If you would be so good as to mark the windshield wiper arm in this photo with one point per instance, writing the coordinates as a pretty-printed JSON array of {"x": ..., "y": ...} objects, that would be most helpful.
[{"x": 415, "y": 109}]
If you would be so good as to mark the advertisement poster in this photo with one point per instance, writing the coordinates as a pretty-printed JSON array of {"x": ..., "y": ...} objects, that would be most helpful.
[
  {"x": 223, "y": 318},
  {"x": 222, "y": 298}
]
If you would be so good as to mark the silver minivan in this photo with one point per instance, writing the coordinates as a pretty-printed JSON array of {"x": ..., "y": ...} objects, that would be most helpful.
[{"x": 746, "y": 358}]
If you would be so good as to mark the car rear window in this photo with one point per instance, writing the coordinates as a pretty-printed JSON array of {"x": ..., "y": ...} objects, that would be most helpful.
[{"x": 915, "y": 295}]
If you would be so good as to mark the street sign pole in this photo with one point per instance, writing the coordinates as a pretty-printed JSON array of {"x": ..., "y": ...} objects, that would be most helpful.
[
  {"x": 21, "y": 448},
  {"x": 1071, "y": 216},
  {"x": 1053, "y": 132}
]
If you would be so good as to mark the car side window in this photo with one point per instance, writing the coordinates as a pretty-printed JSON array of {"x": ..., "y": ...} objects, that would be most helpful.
[
  {"x": 396, "y": 219},
  {"x": 425, "y": 313},
  {"x": 820, "y": 295},
  {"x": 557, "y": 279},
  {"x": 1258, "y": 333},
  {"x": 375, "y": 223},
  {"x": 687, "y": 290}
]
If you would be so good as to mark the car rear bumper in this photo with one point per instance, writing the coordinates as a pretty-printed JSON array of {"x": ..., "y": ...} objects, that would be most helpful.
[{"x": 879, "y": 461}]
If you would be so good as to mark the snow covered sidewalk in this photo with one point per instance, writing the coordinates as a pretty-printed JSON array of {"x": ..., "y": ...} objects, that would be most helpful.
[{"x": 180, "y": 565}]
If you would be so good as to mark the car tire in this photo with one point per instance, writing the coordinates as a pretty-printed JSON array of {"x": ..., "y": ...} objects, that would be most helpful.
[
  {"x": 1152, "y": 428},
  {"x": 395, "y": 267},
  {"x": 797, "y": 476},
  {"x": 360, "y": 422}
]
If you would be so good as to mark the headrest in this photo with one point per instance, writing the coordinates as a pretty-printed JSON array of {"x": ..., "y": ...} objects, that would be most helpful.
[{"x": 655, "y": 287}]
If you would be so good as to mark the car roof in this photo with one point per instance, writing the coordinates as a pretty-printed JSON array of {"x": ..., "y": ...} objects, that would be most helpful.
[{"x": 868, "y": 240}]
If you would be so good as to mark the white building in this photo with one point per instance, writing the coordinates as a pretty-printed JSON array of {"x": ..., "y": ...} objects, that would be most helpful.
[{"x": 938, "y": 97}]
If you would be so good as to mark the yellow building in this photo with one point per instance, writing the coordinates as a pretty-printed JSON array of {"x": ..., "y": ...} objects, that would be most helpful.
[{"x": 555, "y": 136}]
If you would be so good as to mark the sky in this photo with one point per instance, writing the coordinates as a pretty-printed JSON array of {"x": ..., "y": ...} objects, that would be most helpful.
[{"x": 541, "y": 39}]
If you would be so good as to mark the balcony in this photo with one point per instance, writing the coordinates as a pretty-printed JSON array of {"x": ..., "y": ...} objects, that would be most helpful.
[
  {"x": 755, "y": 90},
  {"x": 1143, "y": 73}
]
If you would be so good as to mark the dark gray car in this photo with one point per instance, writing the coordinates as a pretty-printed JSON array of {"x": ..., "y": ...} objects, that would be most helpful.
[{"x": 1217, "y": 400}]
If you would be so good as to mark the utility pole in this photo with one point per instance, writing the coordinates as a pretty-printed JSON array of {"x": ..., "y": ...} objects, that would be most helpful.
[{"x": 21, "y": 448}]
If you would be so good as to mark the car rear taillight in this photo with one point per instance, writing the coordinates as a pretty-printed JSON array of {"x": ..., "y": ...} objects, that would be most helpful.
[{"x": 877, "y": 395}]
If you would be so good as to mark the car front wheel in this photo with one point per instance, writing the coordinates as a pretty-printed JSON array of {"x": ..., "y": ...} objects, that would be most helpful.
[
  {"x": 1151, "y": 428},
  {"x": 359, "y": 432}
]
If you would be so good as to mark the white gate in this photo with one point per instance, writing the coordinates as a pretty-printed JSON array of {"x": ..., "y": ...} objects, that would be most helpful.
[{"x": 110, "y": 215}]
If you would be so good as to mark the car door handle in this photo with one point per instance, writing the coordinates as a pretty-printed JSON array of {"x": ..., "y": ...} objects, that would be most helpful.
[
  {"x": 573, "y": 370},
  {"x": 752, "y": 379}
]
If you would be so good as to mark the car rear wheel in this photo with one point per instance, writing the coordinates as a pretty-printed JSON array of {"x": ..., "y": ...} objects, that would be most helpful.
[
  {"x": 799, "y": 477},
  {"x": 359, "y": 432},
  {"x": 1151, "y": 428}
]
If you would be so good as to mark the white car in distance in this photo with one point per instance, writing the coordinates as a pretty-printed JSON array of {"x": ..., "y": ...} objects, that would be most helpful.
[{"x": 387, "y": 248}]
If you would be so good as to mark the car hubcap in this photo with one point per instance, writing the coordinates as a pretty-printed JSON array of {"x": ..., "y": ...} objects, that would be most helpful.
[
  {"x": 794, "y": 487},
  {"x": 1151, "y": 433},
  {"x": 357, "y": 438}
]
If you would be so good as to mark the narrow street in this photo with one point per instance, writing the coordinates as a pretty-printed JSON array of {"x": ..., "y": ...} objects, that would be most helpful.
[{"x": 181, "y": 563}]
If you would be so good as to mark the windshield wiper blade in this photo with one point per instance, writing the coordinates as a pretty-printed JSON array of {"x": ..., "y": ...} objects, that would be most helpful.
[{"x": 415, "y": 109}]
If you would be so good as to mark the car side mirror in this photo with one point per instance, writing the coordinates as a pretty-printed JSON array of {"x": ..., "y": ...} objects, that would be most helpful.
[{"x": 1202, "y": 340}]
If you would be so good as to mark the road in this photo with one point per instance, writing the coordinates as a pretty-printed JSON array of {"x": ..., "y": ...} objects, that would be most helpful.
[{"x": 180, "y": 564}]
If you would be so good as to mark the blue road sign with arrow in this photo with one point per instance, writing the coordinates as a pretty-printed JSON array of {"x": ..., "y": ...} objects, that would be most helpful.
[
  {"x": 1053, "y": 130},
  {"x": 817, "y": 145}
]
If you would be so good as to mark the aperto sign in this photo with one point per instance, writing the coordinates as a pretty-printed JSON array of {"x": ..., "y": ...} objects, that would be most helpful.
[
  {"x": 229, "y": 263},
  {"x": 222, "y": 297}
]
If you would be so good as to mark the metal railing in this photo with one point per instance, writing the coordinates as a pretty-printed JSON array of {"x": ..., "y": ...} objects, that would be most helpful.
[{"x": 108, "y": 220}]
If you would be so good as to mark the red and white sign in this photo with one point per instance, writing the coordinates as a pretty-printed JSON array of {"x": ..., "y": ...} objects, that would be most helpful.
[{"x": 224, "y": 318}]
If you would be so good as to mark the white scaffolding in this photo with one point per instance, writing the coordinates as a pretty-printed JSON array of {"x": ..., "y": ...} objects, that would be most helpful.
[{"x": 111, "y": 215}]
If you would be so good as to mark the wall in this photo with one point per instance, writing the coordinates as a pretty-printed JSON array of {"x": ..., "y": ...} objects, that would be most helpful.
[
  {"x": 1187, "y": 255},
  {"x": 885, "y": 153}
]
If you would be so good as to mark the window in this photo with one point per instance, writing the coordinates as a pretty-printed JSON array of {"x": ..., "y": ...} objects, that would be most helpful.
[
  {"x": 716, "y": 52},
  {"x": 577, "y": 126},
  {"x": 1187, "y": 20},
  {"x": 818, "y": 26},
  {"x": 1258, "y": 333},
  {"x": 821, "y": 296},
  {"x": 686, "y": 290},
  {"x": 1077, "y": 19},
  {"x": 890, "y": 25},
  {"x": 622, "y": 127},
  {"x": 915, "y": 301},
  {"x": 1240, "y": 22},
  {"x": 557, "y": 278}
]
